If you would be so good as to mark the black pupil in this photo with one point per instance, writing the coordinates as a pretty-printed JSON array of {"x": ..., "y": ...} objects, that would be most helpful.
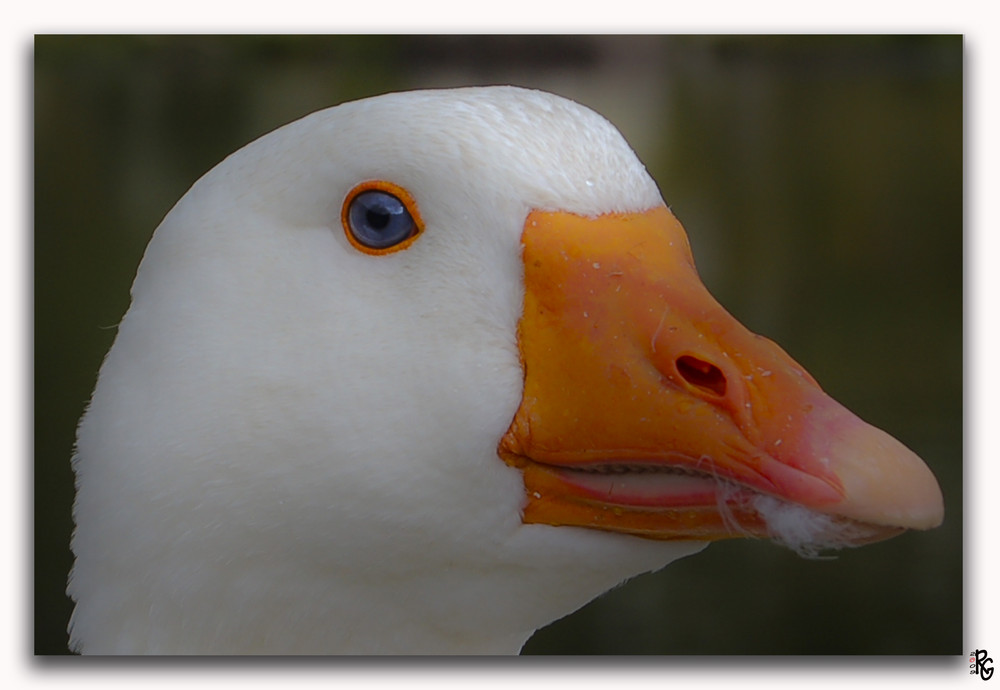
[{"x": 379, "y": 219}]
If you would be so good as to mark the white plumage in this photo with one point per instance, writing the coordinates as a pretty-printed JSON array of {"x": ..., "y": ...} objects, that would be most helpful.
[{"x": 292, "y": 446}]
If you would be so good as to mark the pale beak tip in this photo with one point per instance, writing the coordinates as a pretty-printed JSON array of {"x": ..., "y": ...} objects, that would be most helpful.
[{"x": 885, "y": 483}]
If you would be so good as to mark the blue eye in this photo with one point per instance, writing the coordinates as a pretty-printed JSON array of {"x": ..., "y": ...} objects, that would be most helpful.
[{"x": 379, "y": 220}]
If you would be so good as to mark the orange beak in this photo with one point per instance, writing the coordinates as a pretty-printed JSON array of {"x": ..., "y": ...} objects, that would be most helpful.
[{"x": 648, "y": 409}]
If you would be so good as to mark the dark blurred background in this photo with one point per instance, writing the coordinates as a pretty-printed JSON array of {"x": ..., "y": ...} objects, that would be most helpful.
[{"x": 820, "y": 179}]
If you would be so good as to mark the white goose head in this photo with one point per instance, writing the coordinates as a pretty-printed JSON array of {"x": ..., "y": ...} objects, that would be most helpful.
[{"x": 302, "y": 438}]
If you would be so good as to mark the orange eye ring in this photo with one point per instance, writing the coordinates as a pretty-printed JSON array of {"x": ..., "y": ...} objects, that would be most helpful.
[{"x": 351, "y": 215}]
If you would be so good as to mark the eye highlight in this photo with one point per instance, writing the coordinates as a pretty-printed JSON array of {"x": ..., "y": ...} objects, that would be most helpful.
[{"x": 380, "y": 217}]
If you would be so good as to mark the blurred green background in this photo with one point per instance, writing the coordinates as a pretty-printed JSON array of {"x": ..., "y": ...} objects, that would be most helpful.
[{"x": 820, "y": 179}]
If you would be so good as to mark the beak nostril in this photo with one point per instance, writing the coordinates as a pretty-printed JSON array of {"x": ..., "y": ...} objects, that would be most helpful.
[{"x": 702, "y": 375}]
